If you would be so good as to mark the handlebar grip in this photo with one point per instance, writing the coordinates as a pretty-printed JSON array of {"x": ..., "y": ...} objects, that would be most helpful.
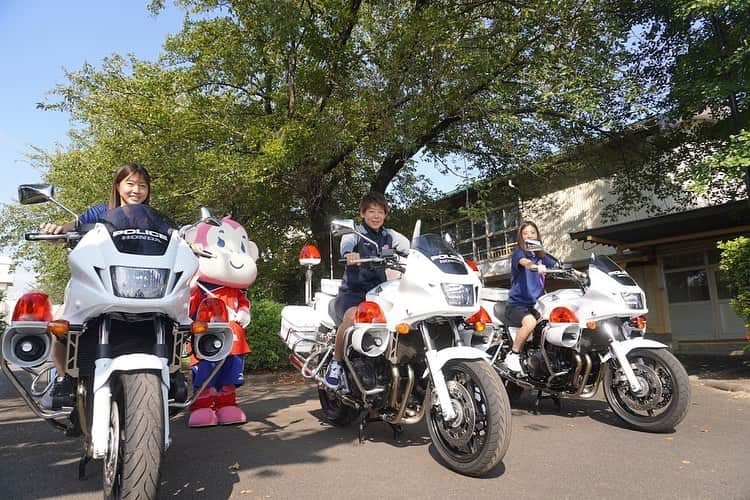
[{"x": 44, "y": 236}]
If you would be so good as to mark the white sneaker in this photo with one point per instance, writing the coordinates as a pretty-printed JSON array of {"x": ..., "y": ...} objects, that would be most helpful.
[
  {"x": 333, "y": 375},
  {"x": 513, "y": 363}
]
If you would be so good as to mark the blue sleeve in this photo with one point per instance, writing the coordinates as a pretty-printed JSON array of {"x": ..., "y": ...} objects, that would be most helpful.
[
  {"x": 518, "y": 254},
  {"x": 92, "y": 214}
]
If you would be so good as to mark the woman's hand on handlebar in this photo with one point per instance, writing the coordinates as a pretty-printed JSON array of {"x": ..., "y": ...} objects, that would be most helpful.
[
  {"x": 49, "y": 228},
  {"x": 352, "y": 258}
]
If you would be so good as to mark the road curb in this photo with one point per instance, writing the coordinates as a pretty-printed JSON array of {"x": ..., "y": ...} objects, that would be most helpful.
[{"x": 724, "y": 385}]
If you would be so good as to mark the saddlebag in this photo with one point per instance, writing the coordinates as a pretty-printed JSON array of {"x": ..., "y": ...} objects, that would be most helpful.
[{"x": 299, "y": 328}]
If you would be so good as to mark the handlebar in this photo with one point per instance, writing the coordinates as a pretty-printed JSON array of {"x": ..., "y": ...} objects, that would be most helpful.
[
  {"x": 390, "y": 261},
  {"x": 366, "y": 259},
  {"x": 69, "y": 236}
]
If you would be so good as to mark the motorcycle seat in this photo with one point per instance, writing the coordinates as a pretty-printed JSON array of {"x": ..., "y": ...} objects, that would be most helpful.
[{"x": 499, "y": 311}]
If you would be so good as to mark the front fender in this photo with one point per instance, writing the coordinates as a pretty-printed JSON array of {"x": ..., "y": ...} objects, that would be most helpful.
[
  {"x": 441, "y": 357},
  {"x": 105, "y": 367},
  {"x": 636, "y": 343}
]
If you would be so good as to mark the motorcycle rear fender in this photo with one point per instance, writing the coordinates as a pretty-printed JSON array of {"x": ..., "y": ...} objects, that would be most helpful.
[
  {"x": 636, "y": 343},
  {"x": 105, "y": 367}
]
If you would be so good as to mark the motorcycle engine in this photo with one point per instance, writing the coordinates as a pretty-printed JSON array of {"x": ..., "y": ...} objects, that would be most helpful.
[
  {"x": 371, "y": 373},
  {"x": 558, "y": 357}
]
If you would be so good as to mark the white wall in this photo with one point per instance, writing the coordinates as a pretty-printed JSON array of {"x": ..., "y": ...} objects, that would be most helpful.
[{"x": 574, "y": 209}]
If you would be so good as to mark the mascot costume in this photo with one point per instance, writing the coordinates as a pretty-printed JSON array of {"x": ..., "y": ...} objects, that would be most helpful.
[{"x": 225, "y": 275}]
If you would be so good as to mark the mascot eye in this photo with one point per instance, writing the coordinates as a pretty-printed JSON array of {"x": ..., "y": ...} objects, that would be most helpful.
[
  {"x": 220, "y": 243},
  {"x": 242, "y": 247}
]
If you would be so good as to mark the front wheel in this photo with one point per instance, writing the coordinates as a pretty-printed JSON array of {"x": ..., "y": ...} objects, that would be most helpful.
[
  {"x": 477, "y": 439},
  {"x": 136, "y": 437},
  {"x": 663, "y": 400}
]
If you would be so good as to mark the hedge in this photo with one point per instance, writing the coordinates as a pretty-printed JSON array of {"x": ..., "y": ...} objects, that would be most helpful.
[{"x": 269, "y": 352}]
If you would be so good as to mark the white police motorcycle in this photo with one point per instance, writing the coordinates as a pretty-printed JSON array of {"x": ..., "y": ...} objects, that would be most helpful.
[
  {"x": 124, "y": 323},
  {"x": 593, "y": 335},
  {"x": 409, "y": 353}
]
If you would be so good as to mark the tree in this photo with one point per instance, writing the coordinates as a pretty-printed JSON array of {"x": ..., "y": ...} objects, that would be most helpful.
[
  {"x": 735, "y": 267},
  {"x": 286, "y": 112},
  {"x": 693, "y": 60}
]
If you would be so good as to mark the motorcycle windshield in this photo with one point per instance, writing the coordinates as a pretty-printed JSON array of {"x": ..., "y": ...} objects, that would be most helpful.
[
  {"x": 442, "y": 255},
  {"x": 138, "y": 229},
  {"x": 609, "y": 267}
]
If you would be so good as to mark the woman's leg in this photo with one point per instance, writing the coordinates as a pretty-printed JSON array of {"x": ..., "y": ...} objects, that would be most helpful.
[{"x": 528, "y": 323}]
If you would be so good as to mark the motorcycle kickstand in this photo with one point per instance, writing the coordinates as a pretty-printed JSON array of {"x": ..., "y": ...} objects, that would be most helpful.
[
  {"x": 397, "y": 430},
  {"x": 363, "y": 420},
  {"x": 540, "y": 396},
  {"x": 85, "y": 459}
]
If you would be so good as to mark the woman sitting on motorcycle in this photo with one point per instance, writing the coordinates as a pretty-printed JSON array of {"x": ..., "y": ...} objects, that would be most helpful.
[
  {"x": 526, "y": 286},
  {"x": 131, "y": 186},
  {"x": 359, "y": 279}
]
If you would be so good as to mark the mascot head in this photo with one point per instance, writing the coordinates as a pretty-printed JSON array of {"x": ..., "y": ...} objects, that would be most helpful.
[{"x": 233, "y": 263}]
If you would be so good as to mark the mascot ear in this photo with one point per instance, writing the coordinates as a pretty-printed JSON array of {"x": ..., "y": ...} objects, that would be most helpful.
[{"x": 252, "y": 250}]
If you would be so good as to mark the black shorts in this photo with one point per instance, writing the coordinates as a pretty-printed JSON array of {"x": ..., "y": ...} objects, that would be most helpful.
[
  {"x": 514, "y": 313},
  {"x": 343, "y": 302}
]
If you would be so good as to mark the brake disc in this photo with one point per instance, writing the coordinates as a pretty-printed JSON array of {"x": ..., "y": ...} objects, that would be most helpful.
[
  {"x": 651, "y": 396},
  {"x": 459, "y": 431}
]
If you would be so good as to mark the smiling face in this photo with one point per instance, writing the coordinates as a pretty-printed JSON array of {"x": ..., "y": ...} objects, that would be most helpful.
[
  {"x": 374, "y": 216},
  {"x": 133, "y": 190},
  {"x": 529, "y": 233},
  {"x": 235, "y": 255}
]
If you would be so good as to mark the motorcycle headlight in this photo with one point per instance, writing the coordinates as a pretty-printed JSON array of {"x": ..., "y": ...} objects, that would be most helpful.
[
  {"x": 632, "y": 300},
  {"x": 139, "y": 282},
  {"x": 457, "y": 294}
]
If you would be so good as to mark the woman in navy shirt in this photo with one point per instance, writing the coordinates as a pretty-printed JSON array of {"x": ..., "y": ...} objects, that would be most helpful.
[
  {"x": 526, "y": 286},
  {"x": 130, "y": 186}
]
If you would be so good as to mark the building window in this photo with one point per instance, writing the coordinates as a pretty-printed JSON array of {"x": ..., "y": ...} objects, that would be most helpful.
[
  {"x": 486, "y": 239},
  {"x": 687, "y": 286}
]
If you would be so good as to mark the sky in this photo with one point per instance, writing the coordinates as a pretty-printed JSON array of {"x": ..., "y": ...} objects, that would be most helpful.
[{"x": 39, "y": 40}]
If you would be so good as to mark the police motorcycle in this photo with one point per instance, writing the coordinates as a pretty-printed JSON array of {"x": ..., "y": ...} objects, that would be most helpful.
[
  {"x": 124, "y": 323},
  {"x": 592, "y": 335},
  {"x": 409, "y": 354}
]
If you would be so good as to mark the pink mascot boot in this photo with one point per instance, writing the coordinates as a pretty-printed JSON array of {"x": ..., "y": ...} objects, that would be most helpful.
[
  {"x": 202, "y": 413},
  {"x": 227, "y": 411}
]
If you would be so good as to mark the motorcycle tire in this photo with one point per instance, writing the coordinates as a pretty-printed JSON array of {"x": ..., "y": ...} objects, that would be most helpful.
[
  {"x": 334, "y": 410},
  {"x": 136, "y": 441},
  {"x": 478, "y": 442},
  {"x": 666, "y": 402}
]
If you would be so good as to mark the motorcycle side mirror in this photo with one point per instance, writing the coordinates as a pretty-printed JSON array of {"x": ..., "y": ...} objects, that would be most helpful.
[
  {"x": 533, "y": 245},
  {"x": 449, "y": 240},
  {"x": 31, "y": 194},
  {"x": 208, "y": 218},
  {"x": 340, "y": 227}
]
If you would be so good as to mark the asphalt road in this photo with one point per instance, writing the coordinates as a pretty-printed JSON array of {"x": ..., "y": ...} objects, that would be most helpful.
[{"x": 286, "y": 451}]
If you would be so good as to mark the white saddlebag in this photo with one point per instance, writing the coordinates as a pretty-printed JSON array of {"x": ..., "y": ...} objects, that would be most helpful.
[{"x": 299, "y": 328}]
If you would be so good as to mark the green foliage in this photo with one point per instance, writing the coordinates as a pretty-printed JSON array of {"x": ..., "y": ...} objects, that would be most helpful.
[
  {"x": 735, "y": 269},
  {"x": 693, "y": 61},
  {"x": 285, "y": 113},
  {"x": 269, "y": 351}
]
